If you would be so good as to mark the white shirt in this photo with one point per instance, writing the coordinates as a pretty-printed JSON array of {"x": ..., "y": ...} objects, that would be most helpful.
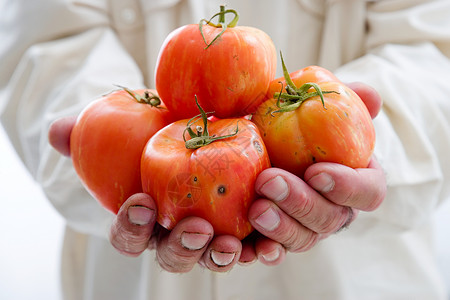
[{"x": 56, "y": 56}]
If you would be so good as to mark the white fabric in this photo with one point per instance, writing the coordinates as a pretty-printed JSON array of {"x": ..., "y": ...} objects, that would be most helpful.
[{"x": 57, "y": 55}]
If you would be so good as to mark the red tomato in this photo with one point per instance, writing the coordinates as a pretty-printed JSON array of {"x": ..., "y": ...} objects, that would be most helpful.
[
  {"x": 230, "y": 76},
  {"x": 339, "y": 129},
  {"x": 215, "y": 181},
  {"x": 107, "y": 140}
]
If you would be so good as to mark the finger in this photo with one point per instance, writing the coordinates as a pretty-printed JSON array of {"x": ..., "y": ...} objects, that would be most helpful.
[
  {"x": 269, "y": 252},
  {"x": 369, "y": 96},
  {"x": 299, "y": 201},
  {"x": 248, "y": 253},
  {"x": 132, "y": 228},
  {"x": 278, "y": 226},
  {"x": 182, "y": 248},
  {"x": 222, "y": 254},
  {"x": 59, "y": 134},
  {"x": 363, "y": 189}
]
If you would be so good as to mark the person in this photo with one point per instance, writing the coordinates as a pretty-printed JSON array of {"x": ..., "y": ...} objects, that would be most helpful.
[{"x": 57, "y": 56}]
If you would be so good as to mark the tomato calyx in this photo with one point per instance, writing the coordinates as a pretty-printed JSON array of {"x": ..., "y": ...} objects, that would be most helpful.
[
  {"x": 201, "y": 137},
  {"x": 294, "y": 96},
  {"x": 148, "y": 97},
  {"x": 220, "y": 24}
]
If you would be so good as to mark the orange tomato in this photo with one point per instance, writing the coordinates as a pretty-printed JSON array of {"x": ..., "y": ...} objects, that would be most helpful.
[
  {"x": 300, "y": 77},
  {"x": 107, "y": 140},
  {"x": 339, "y": 129}
]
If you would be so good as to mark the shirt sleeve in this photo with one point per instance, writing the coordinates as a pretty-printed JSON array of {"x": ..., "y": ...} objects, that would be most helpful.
[
  {"x": 411, "y": 71},
  {"x": 63, "y": 57}
]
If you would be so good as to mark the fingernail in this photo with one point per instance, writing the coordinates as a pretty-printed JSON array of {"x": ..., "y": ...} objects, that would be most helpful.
[
  {"x": 140, "y": 215},
  {"x": 275, "y": 189},
  {"x": 271, "y": 256},
  {"x": 247, "y": 263},
  {"x": 269, "y": 220},
  {"x": 194, "y": 241},
  {"x": 322, "y": 182},
  {"x": 222, "y": 259}
]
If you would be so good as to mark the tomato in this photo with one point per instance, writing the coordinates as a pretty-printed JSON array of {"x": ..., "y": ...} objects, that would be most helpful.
[
  {"x": 227, "y": 67},
  {"x": 214, "y": 180},
  {"x": 107, "y": 140},
  {"x": 304, "y": 128},
  {"x": 300, "y": 77}
]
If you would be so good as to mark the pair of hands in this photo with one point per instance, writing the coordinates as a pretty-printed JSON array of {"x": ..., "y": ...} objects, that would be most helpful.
[{"x": 290, "y": 215}]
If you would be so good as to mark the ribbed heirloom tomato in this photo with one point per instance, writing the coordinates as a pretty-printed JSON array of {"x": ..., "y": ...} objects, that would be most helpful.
[
  {"x": 321, "y": 121},
  {"x": 107, "y": 140},
  {"x": 205, "y": 169},
  {"x": 227, "y": 67}
]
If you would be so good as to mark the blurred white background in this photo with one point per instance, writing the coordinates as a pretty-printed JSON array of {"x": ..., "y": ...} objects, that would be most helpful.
[{"x": 31, "y": 233}]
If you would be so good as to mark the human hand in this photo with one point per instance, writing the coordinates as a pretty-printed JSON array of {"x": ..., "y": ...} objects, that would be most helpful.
[
  {"x": 192, "y": 241},
  {"x": 294, "y": 214},
  {"x": 134, "y": 228}
]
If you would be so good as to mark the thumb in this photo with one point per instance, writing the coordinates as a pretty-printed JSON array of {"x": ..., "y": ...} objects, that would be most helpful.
[
  {"x": 59, "y": 134},
  {"x": 369, "y": 96}
]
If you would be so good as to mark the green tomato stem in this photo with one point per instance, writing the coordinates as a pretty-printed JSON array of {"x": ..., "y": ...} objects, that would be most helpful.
[
  {"x": 148, "y": 98},
  {"x": 294, "y": 96},
  {"x": 221, "y": 24},
  {"x": 201, "y": 137}
]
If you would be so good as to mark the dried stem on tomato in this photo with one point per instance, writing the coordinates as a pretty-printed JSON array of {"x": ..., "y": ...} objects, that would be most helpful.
[
  {"x": 201, "y": 137},
  {"x": 148, "y": 98},
  {"x": 220, "y": 24},
  {"x": 294, "y": 96}
]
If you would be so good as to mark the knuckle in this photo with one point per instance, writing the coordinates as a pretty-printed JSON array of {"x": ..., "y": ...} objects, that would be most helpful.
[
  {"x": 381, "y": 195},
  {"x": 348, "y": 197},
  {"x": 304, "y": 212},
  {"x": 354, "y": 198},
  {"x": 128, "y": 242},
  {"x": 366, "y": 194},
  {"x": 130, "y": 247},
  {"x": 300, "y": 241},
  {"x": 174, "y": 265},
  {"x": 175, "y": 261},
  {"x": 337, "y": 221},
  {"x": 376, "y": 202},
  {"x": 372, "y": 199},
  {"x": 301, "y": 207}
]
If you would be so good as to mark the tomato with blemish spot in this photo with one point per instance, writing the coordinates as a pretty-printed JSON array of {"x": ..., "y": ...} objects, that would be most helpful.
[{"x": 214, "y": 181}]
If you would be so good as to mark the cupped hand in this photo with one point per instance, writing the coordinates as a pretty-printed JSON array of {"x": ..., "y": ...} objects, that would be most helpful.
[
  {"x": 192, "y": 241},
  {"x": 293, "y": 214}
]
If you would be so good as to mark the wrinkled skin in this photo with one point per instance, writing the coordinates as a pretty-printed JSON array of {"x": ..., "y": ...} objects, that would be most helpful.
[{"x": 282, "y": 215}]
